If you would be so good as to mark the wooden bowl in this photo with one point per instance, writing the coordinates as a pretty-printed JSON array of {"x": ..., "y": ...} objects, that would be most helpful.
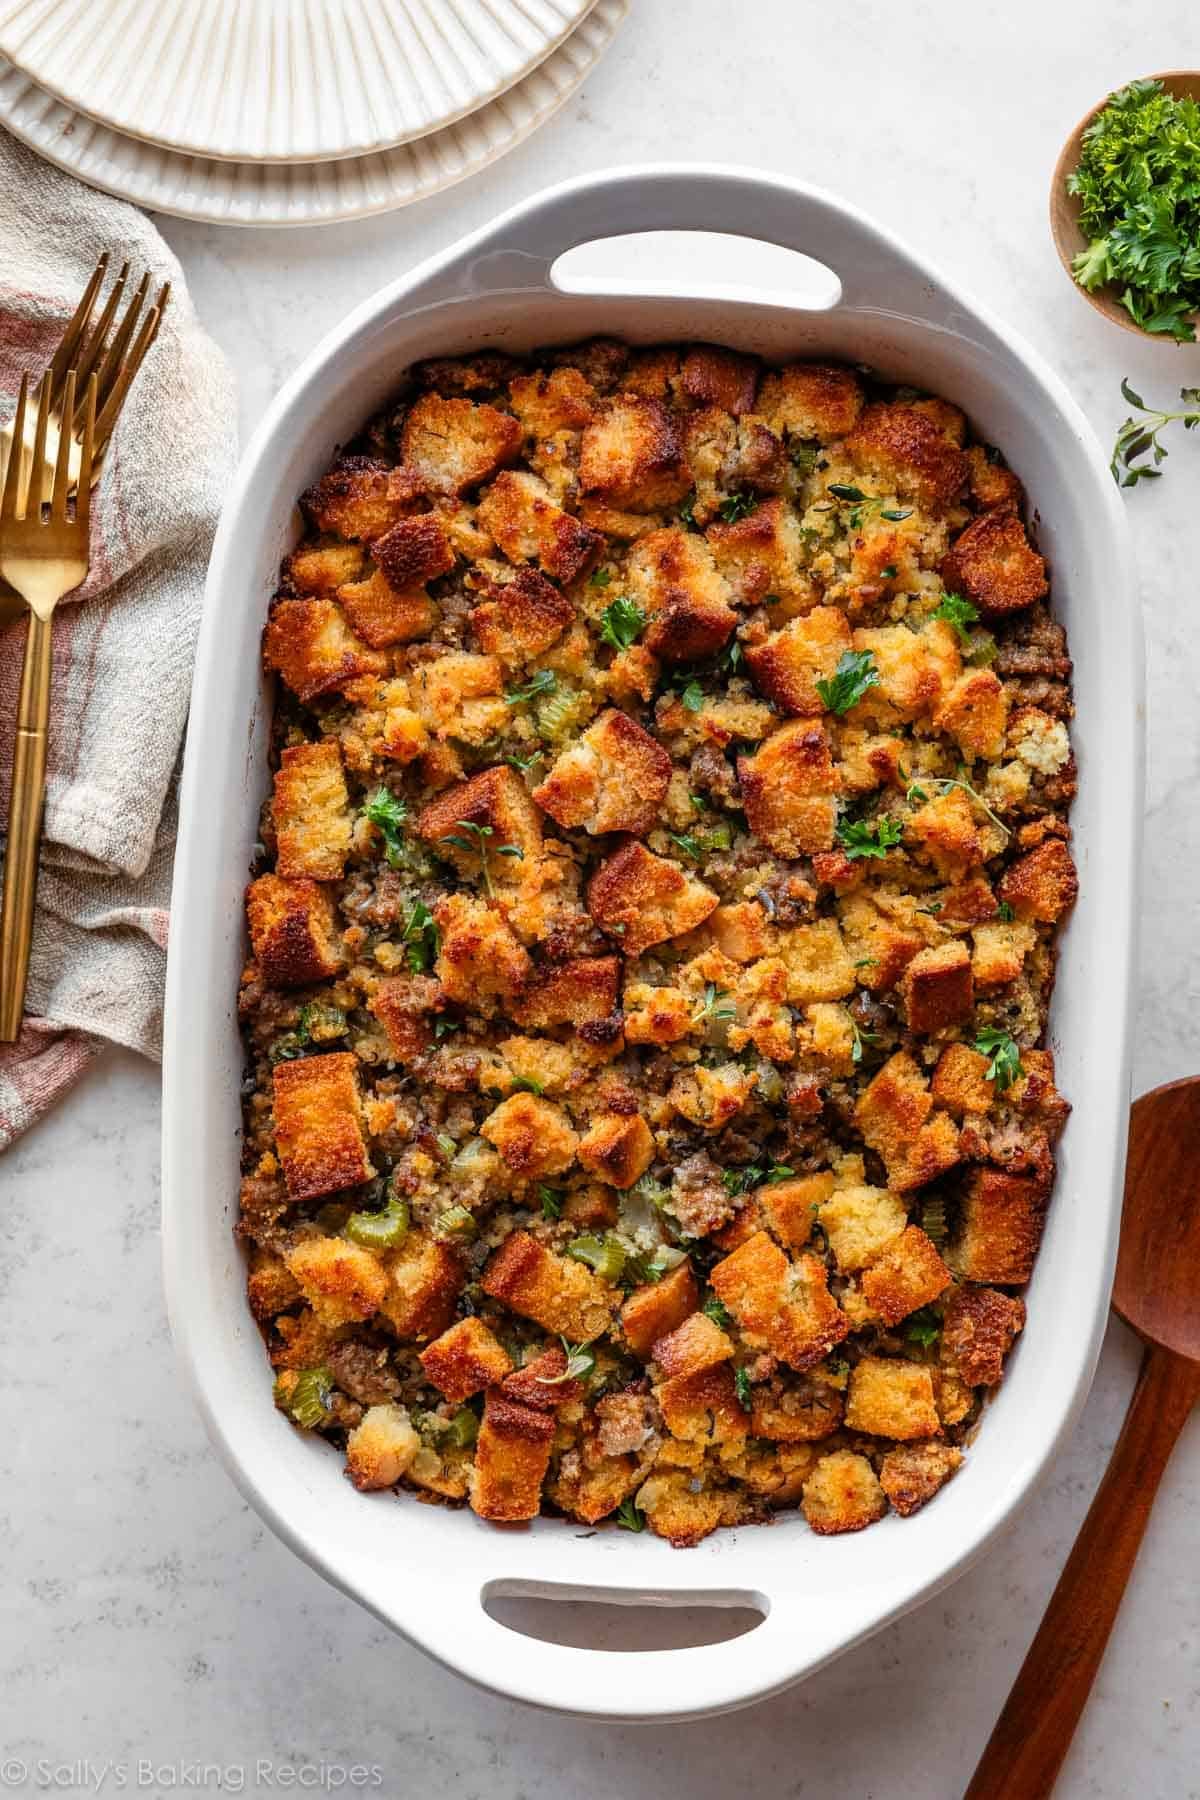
[{"x": 1069, "y": 240}]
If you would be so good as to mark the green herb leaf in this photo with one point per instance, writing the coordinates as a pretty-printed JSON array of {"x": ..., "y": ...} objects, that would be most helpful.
[
  {"x": 600, "y": 578},
  {"x": 1138, "y": 438},
  {"x": 868, "y": 837},
  {"x": 1005, "y": 1065},
  {"x": 544, "y": 682},
  {"x": 843, "y": 491},
  {"x": 716, "y": 1310},
  {"x": 917, "y": 790},
  {"x": 523, "y": 764},
  {"x": 692, "y": 696},
  {"x": 779, "y": 1172},
  {"x": 686, "y": 844},
  {"x": 923, "y": 1328},
  {"x": 1005, "y": 912},
  {"x": 387, "y": 812},
  {"x": 855, "y": 675},
  {"x": 710, "y": 1008},
  {"x": 687, "y": 511},
  {"x": 550, "y": 1199},
  {"x": 581, "y": 1360},
  {"x": 741, "y": 1381},
  {"x": 628, "y": 1517},
  {"x": 958, "y": 613},
  {"x": 621, "y": 622},
  {"x": 526, "y": 1084},
  {"x": 421, "y": 938},
  {"x": 736, "y": 506}
]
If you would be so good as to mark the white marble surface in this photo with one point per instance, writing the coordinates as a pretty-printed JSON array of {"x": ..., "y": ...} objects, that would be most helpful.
[{"x": 148, "y": 1613}]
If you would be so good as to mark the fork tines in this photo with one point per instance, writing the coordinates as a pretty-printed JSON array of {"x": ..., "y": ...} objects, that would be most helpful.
[{"x": 114, "y": 356}]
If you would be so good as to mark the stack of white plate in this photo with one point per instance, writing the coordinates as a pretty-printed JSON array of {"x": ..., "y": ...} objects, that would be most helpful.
[{"x": 288, "y": 112}]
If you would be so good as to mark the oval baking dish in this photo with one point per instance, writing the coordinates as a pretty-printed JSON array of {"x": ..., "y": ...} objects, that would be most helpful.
[{"x": 427, "y": 1571}]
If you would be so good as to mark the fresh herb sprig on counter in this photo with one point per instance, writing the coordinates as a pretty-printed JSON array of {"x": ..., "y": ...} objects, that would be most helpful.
[{"x": 1139, "y": 437}]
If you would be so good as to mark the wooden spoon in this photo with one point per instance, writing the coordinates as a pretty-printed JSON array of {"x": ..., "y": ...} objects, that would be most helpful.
[{"x": 1157, "y": 1291}]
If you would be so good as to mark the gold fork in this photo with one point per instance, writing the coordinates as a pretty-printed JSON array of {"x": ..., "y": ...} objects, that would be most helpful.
[{"x": 44, "y": 554}]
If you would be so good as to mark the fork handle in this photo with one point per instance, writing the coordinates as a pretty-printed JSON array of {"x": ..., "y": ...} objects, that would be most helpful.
[{"x": 24, "y": 826}]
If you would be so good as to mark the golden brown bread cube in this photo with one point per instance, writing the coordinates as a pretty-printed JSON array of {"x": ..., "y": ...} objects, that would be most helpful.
[
  {"x": 916, "y": 669},
  {"x": 944, "y": 827},
  {"x": 842, "y": 1494},
  {"x": 613, "y": 778},
  {"x": 381, "y": 1449},
  {"x": 818, "y": 966},
  {"x": 340, "y": 1281},
  {"x": 1003, "y": 1217},
  {"x": 617, "y": 1148},
  {"x": 993, "y": 563},
  {"x": 519, "y": 511},
  {"x": 452, "y": 445},
  {"x": 271, "y": 1286},
  {"x": 309, "y": 643},
  {"x": 512, "y": 1456},
  {"x": 764, "y": 553},
  {"x": 534, "y": 1136},
  {"x": 860, "y": 1222},
  {"x": 878, "y": 946},
  {"x": 311, "y": 811},
  {"x": 465, "y": 1359},
  {"x": 710, "y": 376},
  {"x": 811, "y": 400},
  {"x": 540, "y": 1382},
  {"x": 911, "y": 1474},
  {"x": 416, "y": 550},
  {"x": 461, "y": 695},
  {"x": 497, "y": 799},
  {"x": 556, "y": 1292},
  {"x": 652, "y": 1312},
  {"x": 484, "y": 373},
  {"x": 896, "y": 1117},
  {"x": 358, "y": 498},
  {"x": 522, "y": 617},
  {"x": 789, "y": 1208},
  {"x": 696, "y": 1344},
  {"x": 642, "y": 899},
  {"x": 937, "y": 987},
  {"x": 631, "y": 455},
  {"x": 801, "y": 1412},
  {"x": 562, "y": 400},
  {"x": 676, "y": 1512},
  {"x": 788, "y": 789},
  {"x": 787, "y": 666},
  {"x": 424, "y": 1279},
  {"x": 908, "y": 1274},
  {"x": 403, "y": 1004},
  {"x": 383, "y": 615},
  {"x": 960, "y": 1081},
  {"x": 1000, "y": 952},
  {"x": 703, "y": 1406},
  {"x": 786, "y": 1305},
  {"x": 974, "y": 712},
  {"x": 318, "y": 1124},
  {"x": 992, "y": 485},
  {"x": 1041, "y": 885},
  {"x": 888, "y": 1397},
  {"x": 322, "y": 568},
  {"x": 904, "y": 450},
  {"x": 673, "y": 578},
  {"x": 480, "y": 962},
  {"x": 292, "y": 931},
  {"x": 978, "y": 1331},
  {"x": 580, "y": 992}
]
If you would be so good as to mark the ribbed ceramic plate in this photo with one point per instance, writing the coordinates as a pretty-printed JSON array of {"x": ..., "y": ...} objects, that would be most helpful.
[
  {"x": 281, "y": 80},
  {"x": 317, "y": 193}
]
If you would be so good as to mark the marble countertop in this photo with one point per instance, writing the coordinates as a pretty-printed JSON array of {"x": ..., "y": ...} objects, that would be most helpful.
[{"x": 152, "y": 1621}]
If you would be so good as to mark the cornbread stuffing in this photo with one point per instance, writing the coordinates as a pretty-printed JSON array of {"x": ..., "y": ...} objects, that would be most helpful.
[{"x": 647, "y": 1114}]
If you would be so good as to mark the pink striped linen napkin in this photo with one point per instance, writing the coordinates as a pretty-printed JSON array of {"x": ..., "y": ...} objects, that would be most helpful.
[{"x": 122, "y": 645}]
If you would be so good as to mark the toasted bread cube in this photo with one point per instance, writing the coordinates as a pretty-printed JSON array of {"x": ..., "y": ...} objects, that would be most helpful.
[
  {"x": 484, "y": 373},
  {"x": 383, "y": 615},
  {"x": 579, "y": 993},
  {"x": 860, "y": 1222},
  {"x": 643, "y": 899},
  {"x": 764, "y": 553},
  {"x": 631, "y": 455},
  {"x": 891, "y": 1398},
  {"x": 452, "y": 445},
  {"x": 944, "y": 827},
  {"x": 817, "y": 962},
  {"x": 992, "y": 484},
  {"x": 590, "y": 1487},
  {"x": 480, "y": 962},
  {"x": 674, "y": 1511},
  {"x": 358, "y": 498},
  {"x": 512, "y": 1456},
  {"x": 673, "y": 578},
  {"x": 613, "y": 778},
  {"x": 424, "y": 1276},
  {"x": 652, "y": 1312},
  {"x": 461, "y": 696},
  {"x": 911, "y": 1474},
  {"x": 811, "y": 400},
  {"x": 1003, "y": 1217},
  {"x": 518, "y": 510},
  {"x": 789, "y": 1208},
  {"x": 557, "y": 1292},
  {"x": 974, "y": 712},
  {"x": 842, "y": 1494},
  {"x": 563, "y": 400},
  {"x": 521, "y": 618},
  {"x": 908, "y": 1274},
  {"x": 740, "y": 931},
  {"x": 540, "y": 1383},
  {"x": 937, "y": 987},
  {"x": 318, "y": 1125},
  {"x": 270, "y": 1286},
  {"x": 698, "y": 1343},
  {"x": 534, "y": 1136},
  {"x": 978, "y": 1331},
  {"x": 995, "y": 565},
  {"x": 789, "y": 664},
  {"x": 969, "y": 902},
  {"x": 340, "y": 1281},
  {"x": 879, "y": 948},
  {"x": 617, "y": 1149},
  {"x": 309, "y": 643},
  {"x": 786, "y": 1305},
  {"x": 657, "y": 1015},
  {"x": 322, "y": 568},
  {"x": 1000, "y": 952},
  {"x": 709, "y": 376},
  {"x": 803, "y": 1413},
  {"x": 403, "y": 1005},
  {"x": 960, "y": 1081},
  {"x": 381, "y": 1449},
  {"x": 710, "y": 1098},
  {"x": 1043, "y": 884},
  {"x": 917, "y": 669},
  {"x": 414, "y": 551},
  {"x": 904, "y": 450},
  {"x": 895, "y": 1115},
  {"x": 311, "y": 810},
  {"x": 788, "y": 790},
  {"x": 496, "y": 798},
  {"x": 465, "y": 1360},
  {"x": 703, "y": 1407},
  {"x": 292, "y": 930}
]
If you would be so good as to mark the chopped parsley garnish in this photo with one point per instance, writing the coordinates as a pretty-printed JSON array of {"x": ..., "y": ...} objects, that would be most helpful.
[
  {"x": 443, "y": 1027},
  {"x": 740, "y": 1181},
  {"x": 1005, "y": 1065},
  {"x": 736, "y": 506},
  {"x": 958, "y": 613},
  {"x": 687, "y": 511},
  {"x": 550, "y": 1199},
  {"x": 1138, "y": 436},
  {"x": 1005, "y": 912},
  {"x": 686, "y": 844},
  {"x": 600, "y": 578},
  {"x": 711, "y": 1007},
  {"x": 544, "y": 682},
  {"x": 621, "y": 622},
  {"x": 628, "y": 1517},
  {"x": 716, "y": 1310},
  {"x": 889, "y": 573},
  {"x": 923, "y": 1328},
  {"x": 779, "y": 1172},
  {"x": 868, "y": 837},
  {"x": 1138, "y": 187},
  {"x": 741, "y": 1381},
  {"x": 855, "y": 675},
  {"x": 387, "y": 812},
  {"x": 692, "y": 696}
]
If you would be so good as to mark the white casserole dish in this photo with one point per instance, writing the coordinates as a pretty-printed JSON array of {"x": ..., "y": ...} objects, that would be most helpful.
[{"x": 426, "y": 1570}]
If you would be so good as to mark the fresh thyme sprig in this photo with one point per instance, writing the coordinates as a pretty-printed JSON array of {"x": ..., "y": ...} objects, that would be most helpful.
[{"x": 1139, "y": 437}]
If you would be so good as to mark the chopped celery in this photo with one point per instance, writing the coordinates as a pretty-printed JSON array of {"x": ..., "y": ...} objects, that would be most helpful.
[
  {"x": 305, "y": 1396},
  {"x": 605, "y": 1255},
  {"x": 380, "y": 1230}
]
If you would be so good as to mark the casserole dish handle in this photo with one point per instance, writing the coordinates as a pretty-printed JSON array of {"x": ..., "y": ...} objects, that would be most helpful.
[{"x": 739, "y": 203}]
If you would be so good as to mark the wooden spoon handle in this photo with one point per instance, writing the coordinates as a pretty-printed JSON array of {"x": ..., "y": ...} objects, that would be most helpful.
[{"x": 1033, "y": 1733}]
